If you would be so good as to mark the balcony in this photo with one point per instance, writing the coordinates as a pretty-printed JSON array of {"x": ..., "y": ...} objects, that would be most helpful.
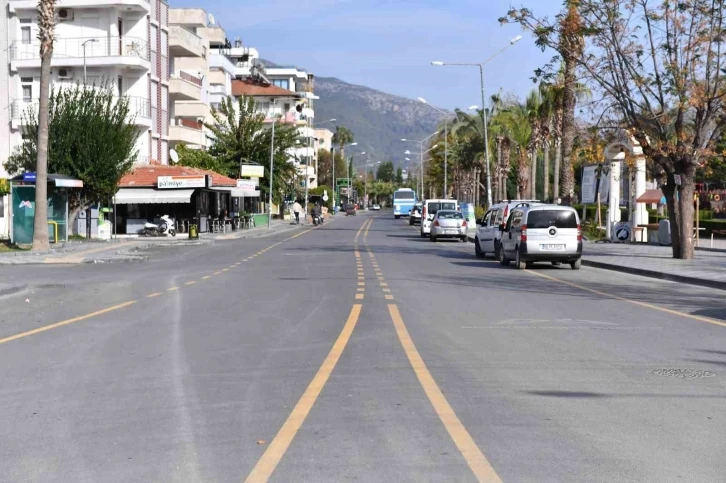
[
  {"x": 69, "y": 52},
  {"x": 194, "y": 110},
  {"x": 191, "y": 17},
  {"x": 218, "y": 77},
  {"x": 139, "y": 111},
  {"x": 180, "y": 134},
  {"x": 215, "y": 34},
  {"x": 184, "y": 43},
  {"x": 220, "y": 61},
  {"x": 130, "y": 5},
  {"x": 185, "y": 87}
]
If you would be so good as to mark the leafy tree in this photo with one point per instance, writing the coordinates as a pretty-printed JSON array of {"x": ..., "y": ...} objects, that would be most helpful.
[
  {"x": 385, "y": 172},
  {"x": 199, "y": 158},
  {"x": 342, "y": 137},
  {"x": 379, "y": 191},
  {"x": 566, "y": 36},
  {"x": 90, "y": 138},
  {"x": 239, "y": 135},
  {"x": 325, "y": 167},
  {"x": 399, "y": 177}
]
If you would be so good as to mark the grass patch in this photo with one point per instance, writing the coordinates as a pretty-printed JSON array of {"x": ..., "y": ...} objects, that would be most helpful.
[{"x": 6, "y": 246}]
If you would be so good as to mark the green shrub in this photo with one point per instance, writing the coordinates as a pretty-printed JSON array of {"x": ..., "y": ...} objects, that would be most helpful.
[{"x": 479, "y": 212}]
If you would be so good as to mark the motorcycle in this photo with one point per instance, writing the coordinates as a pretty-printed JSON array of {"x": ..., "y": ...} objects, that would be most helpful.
[
  {"x": 164, "y": 228},
  {"x": 317, "y": 220}
]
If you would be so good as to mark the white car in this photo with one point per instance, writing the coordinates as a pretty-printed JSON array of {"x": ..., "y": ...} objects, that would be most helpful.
[
  {"x": 430, "y": 207},
  {"x": 376, "y": 207},
  {"x": 415, "y": 215},
  {"x": 448, "y": 224}
]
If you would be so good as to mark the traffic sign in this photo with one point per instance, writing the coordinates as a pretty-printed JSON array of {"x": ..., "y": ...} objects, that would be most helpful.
[
  {"x": 677, "y": 179},
  {"x": 622, "y": 232},
  {"x": 342, "y": 181}
]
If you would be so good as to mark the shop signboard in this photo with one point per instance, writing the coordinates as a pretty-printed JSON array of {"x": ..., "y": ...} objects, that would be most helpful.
[
  {"x": 172, "y": 182},
  {"x": 252, "y": 171},
  {"x": 247, "y": 184}
]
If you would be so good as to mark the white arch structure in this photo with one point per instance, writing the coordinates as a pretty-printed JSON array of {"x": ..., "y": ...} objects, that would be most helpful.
[{"x": 615, "y": 155}]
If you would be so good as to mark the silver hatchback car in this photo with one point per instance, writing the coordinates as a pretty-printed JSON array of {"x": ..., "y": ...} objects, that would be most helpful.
[
  {"x": 542, "y": 233},
  {"x": 448, "y": 224}
]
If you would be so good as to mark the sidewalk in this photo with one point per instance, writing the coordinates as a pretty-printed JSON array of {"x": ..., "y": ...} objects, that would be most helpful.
[
  {"x": 707, "y": 269},
  {"x": 127, "y": 249}
]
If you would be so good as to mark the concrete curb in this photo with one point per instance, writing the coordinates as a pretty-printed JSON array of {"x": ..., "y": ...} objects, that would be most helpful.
[{"x": 657, "y": 275}]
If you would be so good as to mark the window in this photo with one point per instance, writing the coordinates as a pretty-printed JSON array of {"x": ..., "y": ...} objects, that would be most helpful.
[
  {"x": 403, "y": 195},
  {"x": 515, "y": 219},
  {"x": 284, "y": 83},
  {"x": 548, "y": 218},
  {"x": 493, "y": 218},
  {"x": 450, "y": 215},
  {"x": 27, "y": 87},
  {"x": 498, "y": 220},
  {"x": 25, "y": 35},
  {"x": 287, "y": 107}
]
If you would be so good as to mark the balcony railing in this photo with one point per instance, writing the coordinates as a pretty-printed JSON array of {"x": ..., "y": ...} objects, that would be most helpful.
[
  {"x": 138, "y": 107},
  {"x": 72, "y": 48},
  {"x": 190, "y": 78}
]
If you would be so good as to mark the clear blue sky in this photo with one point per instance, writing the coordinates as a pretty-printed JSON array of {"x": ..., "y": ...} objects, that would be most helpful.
[{"x": 388, "y": 45}]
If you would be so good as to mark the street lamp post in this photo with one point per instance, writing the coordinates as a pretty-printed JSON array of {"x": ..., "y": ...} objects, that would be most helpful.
[
  {"x": 350, "y": 188},
  {"x": 421, "y": 153},
  {"x": 84, "y": 58},
  {"x": 272, "y": 165},
  {"x": 483, "y": 104},
  {"x": 446, "y": 144}
]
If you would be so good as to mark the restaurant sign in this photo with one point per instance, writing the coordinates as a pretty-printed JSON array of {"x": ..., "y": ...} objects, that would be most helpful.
[
  {"x": 171, "y": 182},
  {"x": 247, "y": 184}
]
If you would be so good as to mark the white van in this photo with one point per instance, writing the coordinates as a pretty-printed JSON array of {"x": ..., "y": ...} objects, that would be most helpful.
[
  {"x": 488, "y": 232},
  {"x": 430, "y": 207},
  {"x": 542, "y": 233}
]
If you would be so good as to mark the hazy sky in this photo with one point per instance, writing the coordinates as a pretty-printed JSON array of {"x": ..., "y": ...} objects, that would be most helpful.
[{"x": 388, "y": 45}]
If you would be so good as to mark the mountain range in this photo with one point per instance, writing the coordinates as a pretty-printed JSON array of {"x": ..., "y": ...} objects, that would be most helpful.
[{"x": 378, "y": 120}]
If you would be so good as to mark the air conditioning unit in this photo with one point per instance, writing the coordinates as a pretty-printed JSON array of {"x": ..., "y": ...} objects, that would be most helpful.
[
  {"x": 64, "y": 14},
  {"x": 65, "y": 73}
]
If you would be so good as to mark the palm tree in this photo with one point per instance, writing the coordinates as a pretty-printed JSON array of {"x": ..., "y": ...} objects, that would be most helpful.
[
  {"x": 532, "y": 105},
  {"x": 515, "y": 121},
  {"x": 342, "y": 137},
  {"x": 46, "y": 28},
  {"x": 546, "y": 114},
  {"x": 571, "y": 46}
]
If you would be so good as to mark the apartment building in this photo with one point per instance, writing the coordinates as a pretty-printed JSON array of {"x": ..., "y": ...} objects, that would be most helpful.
[
  {"x": 97, "y": 42},
  {"x": 258, "y": 80}
]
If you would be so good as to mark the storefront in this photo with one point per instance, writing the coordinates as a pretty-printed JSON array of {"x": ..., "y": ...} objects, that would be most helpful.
[{"x": 187, "y": 195}]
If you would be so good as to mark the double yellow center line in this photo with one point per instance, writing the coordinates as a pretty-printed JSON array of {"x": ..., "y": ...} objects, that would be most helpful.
[{"x": 474, "y": 457}]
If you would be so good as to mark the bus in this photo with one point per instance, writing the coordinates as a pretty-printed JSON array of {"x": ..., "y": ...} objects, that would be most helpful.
[{"x": 403, "y": 201}]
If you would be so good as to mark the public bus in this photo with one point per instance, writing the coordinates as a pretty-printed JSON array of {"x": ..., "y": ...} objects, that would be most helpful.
[{"x": 403, "y": 201}]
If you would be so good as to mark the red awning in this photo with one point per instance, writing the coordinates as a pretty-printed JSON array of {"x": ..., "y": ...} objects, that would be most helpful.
[{"x": 650, "y": 196}]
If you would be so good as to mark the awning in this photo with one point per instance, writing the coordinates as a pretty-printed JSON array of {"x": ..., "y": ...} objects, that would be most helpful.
[
  {"x": 650, "y": 196},
  {"x": 129, "y": 196}
]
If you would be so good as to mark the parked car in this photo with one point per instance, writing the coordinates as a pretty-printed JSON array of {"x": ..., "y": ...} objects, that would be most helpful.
[
  {"x": 430, "y": 207},
  {"x": 376, "y": 207},
  {"x": 488, "y": 232},
  {"x": 542, "y": 233},
  {"x": 415, "y": 216},
  {"x": 448, "y": 224}
]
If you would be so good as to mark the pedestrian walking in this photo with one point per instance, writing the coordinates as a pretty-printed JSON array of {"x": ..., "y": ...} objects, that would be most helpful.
[{"x": 297, "y": 208}]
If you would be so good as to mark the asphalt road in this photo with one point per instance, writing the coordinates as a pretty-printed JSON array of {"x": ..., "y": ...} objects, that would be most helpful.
[{"x": 357, "y": 351}]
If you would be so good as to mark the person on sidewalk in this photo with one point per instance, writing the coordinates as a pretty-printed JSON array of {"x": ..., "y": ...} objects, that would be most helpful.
[{"x": 297, "y": 208}]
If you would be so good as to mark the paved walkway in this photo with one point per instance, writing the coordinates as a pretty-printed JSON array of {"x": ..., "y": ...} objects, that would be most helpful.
[
  {"x": 708, "y": 268},
  {"x": 126, "y": 249}
]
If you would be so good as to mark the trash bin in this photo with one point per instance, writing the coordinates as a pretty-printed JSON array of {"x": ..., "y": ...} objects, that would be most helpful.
[{"x": 193, "y": 233}]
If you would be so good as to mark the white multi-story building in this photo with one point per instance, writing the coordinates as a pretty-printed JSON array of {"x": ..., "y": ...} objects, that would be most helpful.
[
  {"x": 97, "y": 41},
  {"x": 282, "y": 80},
  {"x": 201, "y": 76}
]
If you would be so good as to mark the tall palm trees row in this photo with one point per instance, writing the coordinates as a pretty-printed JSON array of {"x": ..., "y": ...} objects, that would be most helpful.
[{"x": 520, "y": 133}]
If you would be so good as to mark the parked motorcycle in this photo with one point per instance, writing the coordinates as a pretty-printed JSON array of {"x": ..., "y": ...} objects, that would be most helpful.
[{"x": 164, "y": 228}]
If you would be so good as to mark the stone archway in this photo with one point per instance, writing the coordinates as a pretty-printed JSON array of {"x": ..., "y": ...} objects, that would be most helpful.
[{"x": 615, "y": 155}]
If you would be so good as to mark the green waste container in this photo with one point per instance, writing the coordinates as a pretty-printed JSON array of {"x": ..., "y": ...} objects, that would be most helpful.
[{"x": 193, "y": 232}]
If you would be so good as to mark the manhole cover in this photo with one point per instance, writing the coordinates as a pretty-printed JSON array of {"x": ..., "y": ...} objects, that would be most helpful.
[{"x": 683, "y": 373}]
